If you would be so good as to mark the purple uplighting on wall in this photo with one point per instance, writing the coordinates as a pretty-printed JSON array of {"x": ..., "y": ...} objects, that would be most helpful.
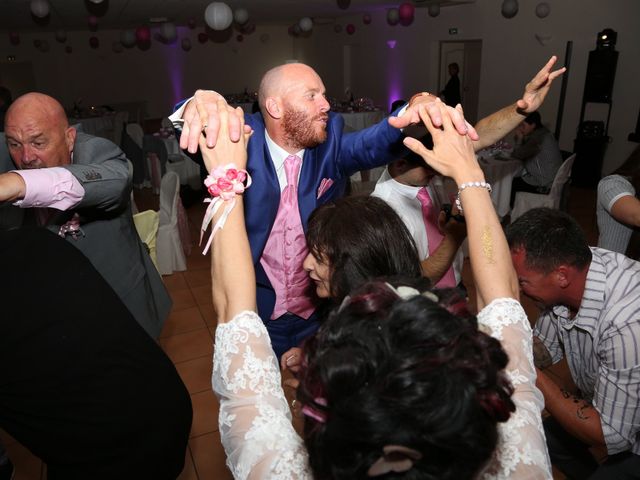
[{"x": 394, "y": 81}]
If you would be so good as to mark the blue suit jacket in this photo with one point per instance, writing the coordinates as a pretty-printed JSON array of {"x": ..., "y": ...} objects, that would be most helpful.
[{"x": 339, "y": 157}]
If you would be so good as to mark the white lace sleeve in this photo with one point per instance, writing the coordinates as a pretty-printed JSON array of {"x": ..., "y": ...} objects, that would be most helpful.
[
  {"x": 255, "y": 420},
  {"x": 522, "y": 450}
]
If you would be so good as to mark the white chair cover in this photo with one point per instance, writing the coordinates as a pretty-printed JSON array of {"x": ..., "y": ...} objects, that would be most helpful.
[
  {"x": 526, "y": 201},
  {"x": 119, "y": 122},
  {"x": 169, "y": 247},
  {"x": 135, "y": 132}
]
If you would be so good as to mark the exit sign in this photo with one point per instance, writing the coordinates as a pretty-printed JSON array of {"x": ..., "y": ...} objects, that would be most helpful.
[{"x": 453, "y": 31}]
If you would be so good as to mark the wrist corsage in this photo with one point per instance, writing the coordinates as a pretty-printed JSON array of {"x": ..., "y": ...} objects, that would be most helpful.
[{"x": 223, "y": 183}]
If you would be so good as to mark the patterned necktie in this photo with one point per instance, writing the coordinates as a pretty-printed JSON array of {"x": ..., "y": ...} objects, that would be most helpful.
[{"x": 434, "y": 236}]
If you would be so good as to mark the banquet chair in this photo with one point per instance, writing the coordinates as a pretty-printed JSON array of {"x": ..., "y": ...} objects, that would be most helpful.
[
  {"x": 171, "y": 256},
  {"x": 147, "y": 227},
  {"x": 119, "y": 121},
  {"x": 135, "y": 132},
  {"x": 525, "y": 201}
]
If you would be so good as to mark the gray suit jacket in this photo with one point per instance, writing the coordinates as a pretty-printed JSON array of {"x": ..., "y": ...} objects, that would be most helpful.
[{"x": 109, "y": 238}]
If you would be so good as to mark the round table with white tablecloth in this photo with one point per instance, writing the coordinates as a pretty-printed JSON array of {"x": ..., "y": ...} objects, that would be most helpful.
[
  {"x": 499, "y": 172},
  {"x": 354, "y": 121}
]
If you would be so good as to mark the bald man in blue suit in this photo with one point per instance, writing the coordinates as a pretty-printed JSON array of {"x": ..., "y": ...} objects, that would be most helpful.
[{"x": 295, "y": 120}]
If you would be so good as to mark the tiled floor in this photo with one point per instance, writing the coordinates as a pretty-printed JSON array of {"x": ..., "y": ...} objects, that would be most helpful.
[{"x": 187, "y": 338}]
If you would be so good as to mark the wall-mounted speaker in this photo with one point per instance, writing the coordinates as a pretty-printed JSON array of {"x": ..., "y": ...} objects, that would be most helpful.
[{"x": 601, "y": 73}]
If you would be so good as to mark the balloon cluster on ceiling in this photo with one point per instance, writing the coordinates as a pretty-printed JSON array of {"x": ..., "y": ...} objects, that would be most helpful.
[{"x": 219, "y": 17}]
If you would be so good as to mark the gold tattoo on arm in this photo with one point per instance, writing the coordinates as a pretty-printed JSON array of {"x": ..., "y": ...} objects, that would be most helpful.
[
  {"x": 541, "y": 355},
  {"x": 487, "y": 244}
]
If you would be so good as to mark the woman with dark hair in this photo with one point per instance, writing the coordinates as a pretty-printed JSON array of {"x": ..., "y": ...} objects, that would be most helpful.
[
  {"x": 394, "y": 385},
  {"x": 356, "y": 239}
]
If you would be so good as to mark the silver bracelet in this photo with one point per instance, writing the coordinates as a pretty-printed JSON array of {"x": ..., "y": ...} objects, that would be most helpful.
[{"x": 467, "y": 185}]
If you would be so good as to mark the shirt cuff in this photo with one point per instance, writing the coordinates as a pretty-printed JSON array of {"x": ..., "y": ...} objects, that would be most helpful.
[
  {"x": 176, "y": 117},
  {"x": 54, "y": 187}
]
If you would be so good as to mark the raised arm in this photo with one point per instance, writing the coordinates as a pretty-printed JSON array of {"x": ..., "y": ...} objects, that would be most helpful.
[
  {"x": 202, "y": 113},
  {"x": 453, "y": 156},
  {"x": 497, "y": 125},
  {"x": 231, "y": 266}
]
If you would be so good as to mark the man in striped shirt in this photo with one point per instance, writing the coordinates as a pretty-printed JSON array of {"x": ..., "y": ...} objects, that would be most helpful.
[{"x": 591, "y": 316}]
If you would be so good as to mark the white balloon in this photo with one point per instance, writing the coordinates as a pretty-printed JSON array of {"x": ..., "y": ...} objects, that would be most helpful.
[
  {"x": 168, "y": 32},
  {"x": 128, "y": 38},
  {"x": 543, "y": 9},
  {"x": 241, "y": 16},
  {"x": 218, "y": 16},
  {"x": 434, "y": 9},
  {"x": 96, "y": 1},
  {"x": 40, "y": 8},
  {"x": 305, "y": 24}
]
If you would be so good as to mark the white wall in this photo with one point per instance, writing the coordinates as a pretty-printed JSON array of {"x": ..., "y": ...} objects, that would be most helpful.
[
  {"x": 510, "y": 57},
  {"x": 160, "y": 75}
]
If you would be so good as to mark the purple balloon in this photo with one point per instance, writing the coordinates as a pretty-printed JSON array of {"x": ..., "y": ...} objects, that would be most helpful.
[
  {"x": 344, "y": 4},
  {"x": 94, "y": 42},
  {"x": 203, "y": 37},
  {"x": 366, "y": 19}
]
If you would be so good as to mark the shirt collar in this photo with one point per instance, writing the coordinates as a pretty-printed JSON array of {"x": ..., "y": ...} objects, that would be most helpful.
[
  {"x": 278, "y": 154},
  {"x": 408, "y": 191},
  {"x": 592, "y": 297}
]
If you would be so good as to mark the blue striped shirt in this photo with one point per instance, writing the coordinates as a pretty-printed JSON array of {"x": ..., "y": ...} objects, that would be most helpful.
[{"x": 602, "y": 345}]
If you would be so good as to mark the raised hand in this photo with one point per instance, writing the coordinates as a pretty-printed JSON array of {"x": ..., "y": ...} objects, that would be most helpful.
[
  {"x": 536, "y": 90},
  {"x": 452, "y": 154},
  {"x": 432, "y": 106},
  {"x": 226, "y": 150},
  {"x": 202, "y": 114}
]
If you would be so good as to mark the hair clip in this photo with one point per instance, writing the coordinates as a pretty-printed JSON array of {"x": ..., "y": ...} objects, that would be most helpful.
[
  {"x": 405, "y": 292},
  {"x": 317, "y": 415},
  {"x": 395, "y": 458}
]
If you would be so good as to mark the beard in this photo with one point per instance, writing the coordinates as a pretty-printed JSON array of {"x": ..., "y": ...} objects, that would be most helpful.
[{"x": 302, "y": 131}]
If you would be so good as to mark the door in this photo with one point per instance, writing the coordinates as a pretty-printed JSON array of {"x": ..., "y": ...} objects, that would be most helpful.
[{"x": 468, "y": 55}]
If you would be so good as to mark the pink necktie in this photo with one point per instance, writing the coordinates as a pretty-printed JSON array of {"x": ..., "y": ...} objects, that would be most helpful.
[
  {"x": 286, "y": 250},
  {"x": 434, "y": 237},
  {"x": 291, "y": 170}
]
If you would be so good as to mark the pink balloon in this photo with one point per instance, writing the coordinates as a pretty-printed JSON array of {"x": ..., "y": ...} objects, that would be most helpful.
[
  {"x": 366, "y": 19},
  {"x": 143, "y": 34},
  {"x": 344, "y": 4},
  {"x": 351, "y": 29},
  {"x": 93, "y": 22},
  {"x": 14, "y": 38},
  {"x": 94, "y": 42},
  {"x": 406, "y": 12}
]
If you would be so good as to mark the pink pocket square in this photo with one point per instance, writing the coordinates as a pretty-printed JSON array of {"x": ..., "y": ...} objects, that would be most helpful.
[{"x": 324, "y": 186}]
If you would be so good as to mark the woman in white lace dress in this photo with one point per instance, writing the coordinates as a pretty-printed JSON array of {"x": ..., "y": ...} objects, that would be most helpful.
[{"x": 394, "y": 385}]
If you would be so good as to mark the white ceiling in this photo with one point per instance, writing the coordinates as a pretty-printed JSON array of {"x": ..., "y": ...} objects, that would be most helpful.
[{"x": 15, "y": 15}]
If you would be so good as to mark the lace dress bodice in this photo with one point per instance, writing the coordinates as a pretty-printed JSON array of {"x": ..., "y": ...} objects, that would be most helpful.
[{"x": 255, "y": 420}]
